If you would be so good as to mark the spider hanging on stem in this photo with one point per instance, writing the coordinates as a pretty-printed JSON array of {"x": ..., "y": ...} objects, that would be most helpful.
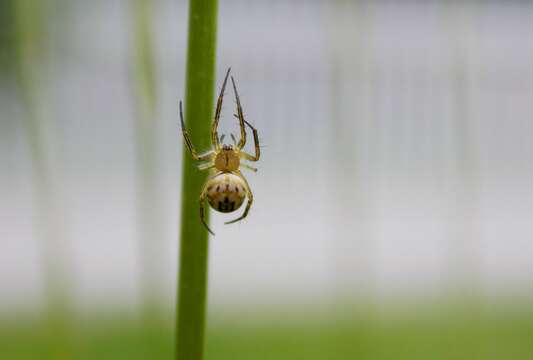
[{"x": 226, "y": 188}]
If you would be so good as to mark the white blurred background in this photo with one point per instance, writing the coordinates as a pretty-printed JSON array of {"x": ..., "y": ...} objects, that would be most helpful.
[{"x": 396, "y": 162}]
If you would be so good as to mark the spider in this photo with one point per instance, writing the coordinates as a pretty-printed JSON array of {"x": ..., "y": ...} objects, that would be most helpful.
[{"x": 226, "y": 188}]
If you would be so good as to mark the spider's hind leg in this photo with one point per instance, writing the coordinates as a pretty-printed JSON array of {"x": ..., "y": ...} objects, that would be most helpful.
[{"x": 202, "y": 209}]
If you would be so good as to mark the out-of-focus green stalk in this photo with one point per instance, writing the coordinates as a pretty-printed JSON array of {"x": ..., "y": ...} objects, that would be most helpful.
[
  {"x": 30, "y": 48},
  {"x": 149, "y": 210},
  {"x": 192, "y": 293},
  {"x": 7, "y": 37},
  {"x": 144, "y": 57},
  {"x": 29, "y": 39}
]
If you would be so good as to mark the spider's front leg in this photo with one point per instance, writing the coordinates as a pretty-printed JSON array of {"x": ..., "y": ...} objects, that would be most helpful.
[
  {"x": 256, "y": 145},
  {"x": 250, "y": 199},
  {"x": 240, "y": 116},
  {"x": 214, "y": 127},
  {"x": 202, "y": 209},
  {"x": 246, "y": 166},
  {"x": 202, "y": 157}
]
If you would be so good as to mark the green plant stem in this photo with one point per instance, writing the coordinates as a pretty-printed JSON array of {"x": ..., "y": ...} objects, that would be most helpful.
[{"x": 200, "y": 80}]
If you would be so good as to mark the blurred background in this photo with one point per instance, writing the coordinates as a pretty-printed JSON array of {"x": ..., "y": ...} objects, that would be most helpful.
[{"x": 393, "y": 205}]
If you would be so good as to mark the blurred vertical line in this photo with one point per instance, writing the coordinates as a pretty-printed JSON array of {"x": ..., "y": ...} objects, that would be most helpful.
[
  {"x": 149, "y": 213},
  {"x": 351, "y": 267},
  {"x": 194, "y": 245},
  {"x": 465, "y": 235},
  {"x": 31, "y": 39},
  {"x": 337, "y": 50},
  {"x": 464, "y": 211}
]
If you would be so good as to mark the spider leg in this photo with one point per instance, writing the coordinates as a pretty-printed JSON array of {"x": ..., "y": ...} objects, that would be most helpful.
[
  {"x": 214, "y": 127},
  {"x": 240, "y": 116},
  {"x": 248, "y": 167},
  {"x": 256, "y": 144},
  {"x": 206, "y": 166},
  {"x": 203, "y": 157},
  {"x": 202, "y": 209},
  {"x": 250, "y": 199}
]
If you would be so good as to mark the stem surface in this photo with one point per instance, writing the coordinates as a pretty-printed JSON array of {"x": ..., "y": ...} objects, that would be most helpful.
[{"x": 200, "y": 80}]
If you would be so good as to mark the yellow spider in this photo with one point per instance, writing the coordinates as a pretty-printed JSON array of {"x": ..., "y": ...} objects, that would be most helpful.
[{"x": 226, "y": 188}]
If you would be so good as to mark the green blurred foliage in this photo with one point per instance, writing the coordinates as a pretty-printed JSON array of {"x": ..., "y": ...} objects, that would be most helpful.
[
  {"x": 30, "y": 37},
  {"x": 7, "y": 37},
  {"x": 446, "y": 335}
]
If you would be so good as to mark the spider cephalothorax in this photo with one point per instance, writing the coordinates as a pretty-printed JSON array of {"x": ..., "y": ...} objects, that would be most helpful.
[
  {"x": 226, "y": 188},
  {"x": 227, "y": 159}
]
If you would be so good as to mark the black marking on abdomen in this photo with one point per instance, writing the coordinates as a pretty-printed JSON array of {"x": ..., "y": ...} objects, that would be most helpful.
[{"x": 226, "y": 205}]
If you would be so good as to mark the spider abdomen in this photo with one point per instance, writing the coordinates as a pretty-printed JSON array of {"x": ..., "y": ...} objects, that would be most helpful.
[{"x": 226, "y": 192}]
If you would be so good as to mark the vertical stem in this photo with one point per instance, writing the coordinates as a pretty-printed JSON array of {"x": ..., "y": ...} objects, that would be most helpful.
[{"x": 200, "y": 79}]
